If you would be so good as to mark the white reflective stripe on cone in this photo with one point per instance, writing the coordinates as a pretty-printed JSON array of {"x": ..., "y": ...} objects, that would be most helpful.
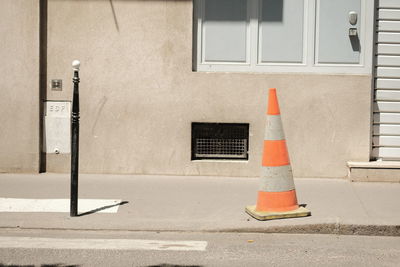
[
  {"x": 273, "y": 128},
  {"x": 276, "y": 179}
]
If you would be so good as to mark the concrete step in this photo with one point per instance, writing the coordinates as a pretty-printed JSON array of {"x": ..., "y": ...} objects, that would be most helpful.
[{"x": 374, "y": 171}]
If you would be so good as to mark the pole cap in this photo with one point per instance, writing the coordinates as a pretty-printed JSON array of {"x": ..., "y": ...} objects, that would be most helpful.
[{"x": 76, "y": 64}]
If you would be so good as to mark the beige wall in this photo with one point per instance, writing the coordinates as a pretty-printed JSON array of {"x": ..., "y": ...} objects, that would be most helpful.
[
  {"x": 139, "y": 96},
  {"x": 19, "y": 86}
]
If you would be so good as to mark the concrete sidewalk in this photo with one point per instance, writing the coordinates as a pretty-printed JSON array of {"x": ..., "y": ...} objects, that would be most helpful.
[{"x": 212, "y": 204}]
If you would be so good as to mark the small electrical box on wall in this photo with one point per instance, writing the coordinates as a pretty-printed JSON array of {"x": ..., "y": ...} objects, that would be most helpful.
[
  {"x": 57, "y": 127},
  {"x": 56, "y": 85}
]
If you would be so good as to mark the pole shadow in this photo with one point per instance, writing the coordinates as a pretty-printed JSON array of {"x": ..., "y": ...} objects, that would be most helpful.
[{"x": 102, "y": 208}]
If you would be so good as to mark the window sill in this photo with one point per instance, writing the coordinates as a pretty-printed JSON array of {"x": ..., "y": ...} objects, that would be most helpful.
[{"x": 343, "y": 69}]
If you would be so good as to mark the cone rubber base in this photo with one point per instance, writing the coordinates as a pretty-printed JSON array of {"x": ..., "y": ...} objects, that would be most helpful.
[{"x": 272, "y": 215}]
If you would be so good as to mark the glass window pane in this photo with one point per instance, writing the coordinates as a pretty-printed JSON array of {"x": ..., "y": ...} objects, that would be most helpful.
[
  {"x": 225, "y": 28},
  {"x": 334, "y": 43},
  {"x": 282, "y": 31}
]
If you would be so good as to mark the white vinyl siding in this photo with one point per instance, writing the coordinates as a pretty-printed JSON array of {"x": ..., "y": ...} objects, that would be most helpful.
[
  {"x": 389, "y": 37},
  {"x": 387, "y": 83},
  {"x": 386, "y": 118},
  {"x": 389, "y": 4},
  {"x": 386, "y": 129},
  {"x": 390, "y": 61}
]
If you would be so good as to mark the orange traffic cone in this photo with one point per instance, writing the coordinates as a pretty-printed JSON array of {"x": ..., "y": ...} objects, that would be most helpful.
[{"x": 277, "y": 194}]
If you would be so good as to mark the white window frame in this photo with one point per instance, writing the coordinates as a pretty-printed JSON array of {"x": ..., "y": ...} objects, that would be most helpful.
[{"x": 310, "y": 44}]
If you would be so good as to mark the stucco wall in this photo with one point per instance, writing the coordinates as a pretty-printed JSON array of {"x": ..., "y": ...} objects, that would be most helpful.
[
  {"x": 139, "y": 96},
  {"x": 19, "y": 86}
]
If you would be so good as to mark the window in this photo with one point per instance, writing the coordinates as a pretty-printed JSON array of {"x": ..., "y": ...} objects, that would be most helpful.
[{"x": 282, "y": 36}]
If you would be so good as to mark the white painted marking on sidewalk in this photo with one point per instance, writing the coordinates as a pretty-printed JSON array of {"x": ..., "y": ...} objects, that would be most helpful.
[
  {"x": 115, "y": 244},
  {"x": 58, "y": 205}
]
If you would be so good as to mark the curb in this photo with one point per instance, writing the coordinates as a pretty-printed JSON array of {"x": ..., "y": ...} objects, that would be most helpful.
[{"x": 328, "y": 228}]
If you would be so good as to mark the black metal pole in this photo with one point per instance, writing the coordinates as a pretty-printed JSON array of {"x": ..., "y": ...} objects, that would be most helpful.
[{"x": 75, "y": 141}]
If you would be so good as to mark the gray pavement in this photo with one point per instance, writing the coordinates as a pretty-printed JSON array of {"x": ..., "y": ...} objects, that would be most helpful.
[
  {"x": 205, "y": 204},
  {"x": 223, "y": 249}
]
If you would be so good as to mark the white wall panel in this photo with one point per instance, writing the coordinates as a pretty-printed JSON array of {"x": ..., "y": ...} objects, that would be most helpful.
[
  {"x": 333, "y": 41},
  {"x": 282, "y": 31},
  {"x": 225, "y": 30}
]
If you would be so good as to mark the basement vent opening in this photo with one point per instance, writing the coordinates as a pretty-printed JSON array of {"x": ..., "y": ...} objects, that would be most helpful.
[{"x": 220, "y": 141}]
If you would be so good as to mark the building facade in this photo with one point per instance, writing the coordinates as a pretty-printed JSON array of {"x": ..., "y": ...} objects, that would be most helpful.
[{"x": 180, "y": 87}]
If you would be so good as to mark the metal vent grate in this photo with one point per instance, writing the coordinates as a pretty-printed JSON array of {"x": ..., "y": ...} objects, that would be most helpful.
[{"x": 220, "y": 141}]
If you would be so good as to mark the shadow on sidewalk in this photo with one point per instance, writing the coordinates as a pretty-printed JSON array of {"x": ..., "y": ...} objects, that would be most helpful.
[
  {"x": 43, "y": 265},
  {"x": 103, "y": 208},
  {"x": 169, "y": 265}
]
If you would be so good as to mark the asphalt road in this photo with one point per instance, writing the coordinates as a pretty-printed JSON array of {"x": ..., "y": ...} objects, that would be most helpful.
[{"x": 99, "y": 248}]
